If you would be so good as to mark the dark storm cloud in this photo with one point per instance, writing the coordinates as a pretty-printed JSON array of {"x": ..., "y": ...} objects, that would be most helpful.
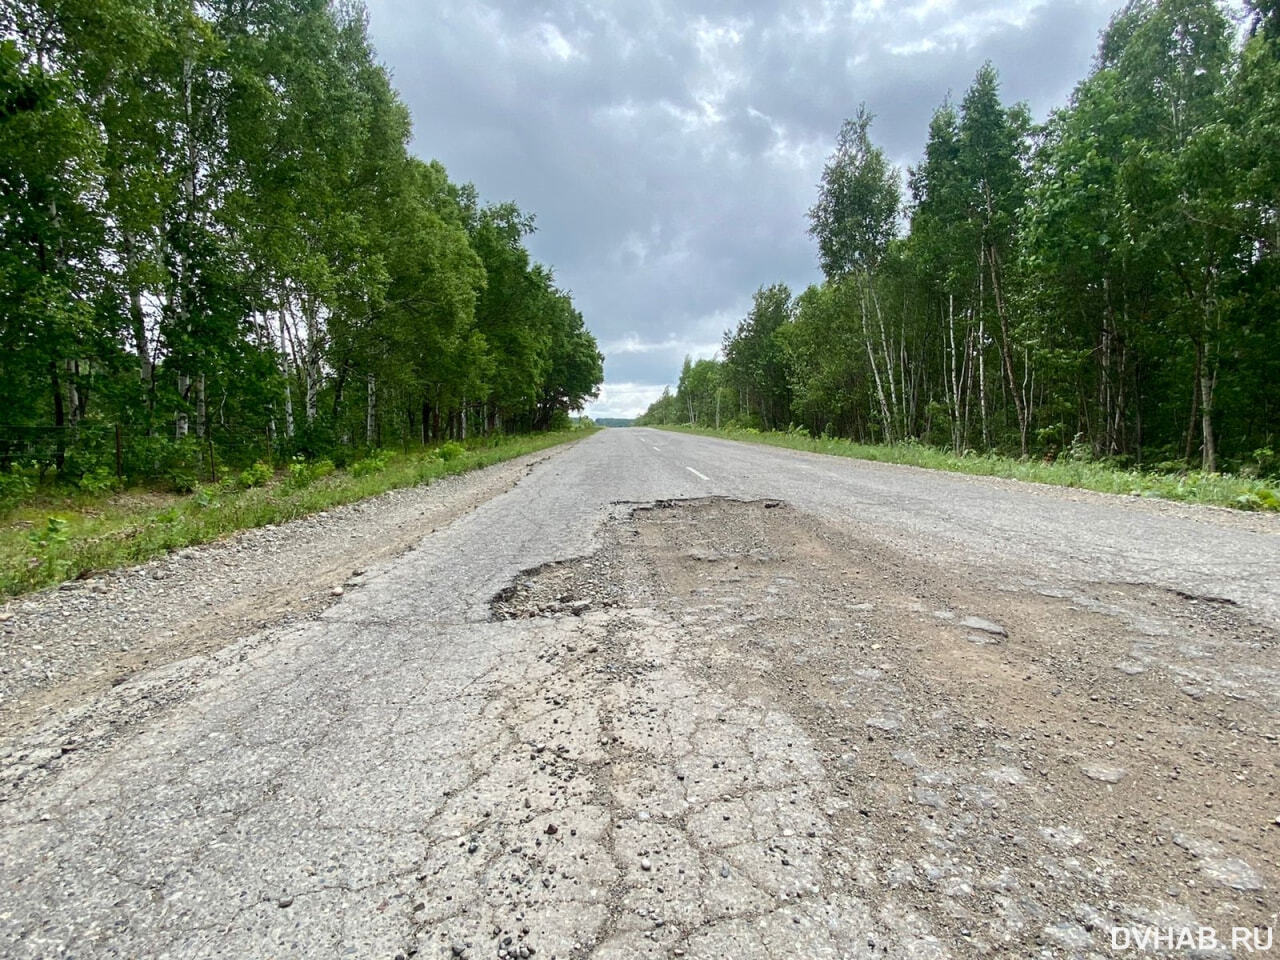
[{"x": 671, "y": 149}]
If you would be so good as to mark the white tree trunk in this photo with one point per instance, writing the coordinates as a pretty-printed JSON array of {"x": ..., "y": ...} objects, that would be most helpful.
[
  {"x": 311, "y": 359},
  {"x": 181, "y": 425},
  {"x": 875, "y": 369},
  {"x": 202, "y": 412},
  {"x": 288, "y": 376}
]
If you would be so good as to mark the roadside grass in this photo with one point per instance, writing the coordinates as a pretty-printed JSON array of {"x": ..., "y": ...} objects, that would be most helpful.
[
  {"x": 1217, "y": 489},
  {"x": 57, "y": 534}
]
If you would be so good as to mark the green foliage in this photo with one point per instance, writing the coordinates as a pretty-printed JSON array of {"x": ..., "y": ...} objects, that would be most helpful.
[
  {"x": 303, "y": 473},
  {"x": 205, "y": 498},
  {"x": 53, "y": 534},
  {"x": 375, "y": 463},
  {"x": 257, "y": 475},
  {"x": 856, "y": 215},
  {"x": 15, "y": 487},
  {"x": 181, "y": 480},
  {"x": 98, "y": 480},
  {"x": 215, "y": 236},
  {"x": 450, "y": 450}
]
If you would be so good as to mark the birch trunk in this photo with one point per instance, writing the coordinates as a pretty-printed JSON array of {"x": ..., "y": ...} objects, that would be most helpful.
[
  {"x": 1208, "y": 381},
  {"x": 202, "y": 412},
  {"x": 875, "y": 369}
]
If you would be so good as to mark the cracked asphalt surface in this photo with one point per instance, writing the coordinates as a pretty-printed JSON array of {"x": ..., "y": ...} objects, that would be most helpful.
[{"x": 675, "y": 696}]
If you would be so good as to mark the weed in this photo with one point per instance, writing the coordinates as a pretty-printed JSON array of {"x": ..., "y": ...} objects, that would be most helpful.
[
  {"x": 450, "y": 451},
  {"x": 258, "y": 475}
]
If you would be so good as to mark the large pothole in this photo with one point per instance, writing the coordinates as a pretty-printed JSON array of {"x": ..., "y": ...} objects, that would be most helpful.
[{"x": 600, "y": 581}]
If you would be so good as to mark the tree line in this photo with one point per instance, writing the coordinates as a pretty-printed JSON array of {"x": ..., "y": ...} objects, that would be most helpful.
[
  {"x": 1107, "y": 281},
  {"x": 211, "y": 221}
]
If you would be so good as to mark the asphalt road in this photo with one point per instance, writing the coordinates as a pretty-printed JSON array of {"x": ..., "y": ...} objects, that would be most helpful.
[{"x": 406, "y": 775}]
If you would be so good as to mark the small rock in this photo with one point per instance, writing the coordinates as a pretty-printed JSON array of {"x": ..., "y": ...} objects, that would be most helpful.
[
  {"x": 1103, "y": 773},
  {"x": 552, "y": 830},
  {"x": 1232, "y": 873},
  {"x": 645, "y": 864},
  {"x": 336, "y": 592},
  {"x": 982, "y": 639},
  {"x": 986, "y": 626},
  {"x": 284, "y": 902},
  {"x": 724, "y": 871},
  {"x": 887, "y": 724}
]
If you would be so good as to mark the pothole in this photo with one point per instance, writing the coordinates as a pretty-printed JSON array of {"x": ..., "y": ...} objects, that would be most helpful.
[{"x": 598, "y": 582}]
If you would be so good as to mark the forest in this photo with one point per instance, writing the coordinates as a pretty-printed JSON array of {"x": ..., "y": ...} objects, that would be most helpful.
[
  {"x": 213, "y": 230},
  {"x": 1105, "y": 283}
]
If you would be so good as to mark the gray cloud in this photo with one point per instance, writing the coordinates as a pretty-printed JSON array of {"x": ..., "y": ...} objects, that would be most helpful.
[{"x": 670, "y": 150}]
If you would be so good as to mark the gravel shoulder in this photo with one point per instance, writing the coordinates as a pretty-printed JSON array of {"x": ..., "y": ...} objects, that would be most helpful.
[{"x": 65, "y": 645}]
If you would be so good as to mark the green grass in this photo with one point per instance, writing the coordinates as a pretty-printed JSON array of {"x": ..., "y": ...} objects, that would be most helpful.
[
  {"x": 1218, "y": 489},
  {"x": 56, "y": 534}
]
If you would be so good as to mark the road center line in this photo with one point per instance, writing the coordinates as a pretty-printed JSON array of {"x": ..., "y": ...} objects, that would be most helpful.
[{"x": 700, "y": 476}]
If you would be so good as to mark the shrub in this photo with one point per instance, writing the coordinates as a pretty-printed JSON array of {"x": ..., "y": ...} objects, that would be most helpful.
[
  {"x": 302, "y": 473},
  {"x": 51, "y": 535},
  {"x": 1266, "y": 463},
  {"x": 98, "y": 480},
  {"x": 450, "y": 451},
  {"x": 256, "y": 476},
  {"x": 374, "y": 463},
  {"x": 14, "y": 488},
  {"x": 1080, "y": 449},
  {"x": 205, "y": 499},
  {"x": 158, "y": 456},
  {"x": 47, "y": 542},
  {"x": 181, "y": 479}
]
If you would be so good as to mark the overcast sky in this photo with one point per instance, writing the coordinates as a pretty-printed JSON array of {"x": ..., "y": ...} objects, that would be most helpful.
[{"x": 670, "y": 150}]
